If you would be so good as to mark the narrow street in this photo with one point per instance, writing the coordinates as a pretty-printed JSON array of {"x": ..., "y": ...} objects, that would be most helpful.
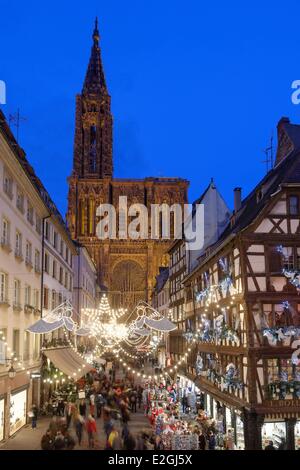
[{"x": 30, "y": 439}]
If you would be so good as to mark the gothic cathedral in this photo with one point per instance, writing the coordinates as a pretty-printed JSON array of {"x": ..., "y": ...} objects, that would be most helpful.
[{"x": 126, "y": 268}]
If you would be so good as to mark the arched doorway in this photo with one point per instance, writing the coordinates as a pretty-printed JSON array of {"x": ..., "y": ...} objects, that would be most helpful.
[{"x": 128, "y": 284}]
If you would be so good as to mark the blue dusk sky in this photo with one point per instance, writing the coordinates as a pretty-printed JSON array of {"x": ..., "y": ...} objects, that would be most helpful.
[{"x": 197, "y": 87}]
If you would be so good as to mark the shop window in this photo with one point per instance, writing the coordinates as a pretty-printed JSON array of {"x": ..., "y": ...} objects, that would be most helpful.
[{"x": 275, "y": 432}]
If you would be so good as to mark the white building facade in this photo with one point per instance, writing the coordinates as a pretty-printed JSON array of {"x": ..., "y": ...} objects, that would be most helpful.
[
  {"x": 22, "y": 211},
  {"x": 85, "y": 286}
]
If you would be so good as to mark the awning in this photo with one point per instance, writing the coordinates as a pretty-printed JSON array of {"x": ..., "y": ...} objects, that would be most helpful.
[{"x": 68, "y": 361}]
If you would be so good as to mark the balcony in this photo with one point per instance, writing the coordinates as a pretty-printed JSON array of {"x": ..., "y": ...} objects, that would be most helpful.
[
  {"x": 17, "y": 307},
  {"x": 18, "y": 254},
  {"x": 28, "y": 263},
  {"x": 28, "y": 308},
  {"x": 5, "y": 245}
]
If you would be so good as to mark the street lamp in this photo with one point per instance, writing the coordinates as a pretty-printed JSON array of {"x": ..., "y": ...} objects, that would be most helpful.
[{"x": 11, "y": 372}]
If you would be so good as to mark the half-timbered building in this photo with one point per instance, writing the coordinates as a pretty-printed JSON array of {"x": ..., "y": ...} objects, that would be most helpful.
[{"x": 243, "y": 307}]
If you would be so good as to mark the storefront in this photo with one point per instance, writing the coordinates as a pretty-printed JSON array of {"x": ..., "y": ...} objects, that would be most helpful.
[
  {"x": 239, "y": 432},
  {"x": 18, "y": 411},
  {"x": 2, "y": 418},
  {"x": 274, "y": 431},
  {"x": 297, "y": 435},
  {"x": 226, "y": 418}
]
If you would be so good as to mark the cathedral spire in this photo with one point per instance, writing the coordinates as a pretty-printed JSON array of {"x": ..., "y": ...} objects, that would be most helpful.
[{"x": 94, "y": 82}]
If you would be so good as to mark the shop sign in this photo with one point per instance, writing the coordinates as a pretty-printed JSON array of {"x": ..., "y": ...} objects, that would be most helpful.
[{"x": 283, "y": 403}]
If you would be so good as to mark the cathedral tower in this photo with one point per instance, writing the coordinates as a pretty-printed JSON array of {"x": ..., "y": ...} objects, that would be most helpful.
[
  {"x": 126, "y": 267},
  {"x": 93, "y": 133}
]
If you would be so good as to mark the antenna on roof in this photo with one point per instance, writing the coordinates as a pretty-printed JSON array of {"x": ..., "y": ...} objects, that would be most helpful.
[
  {"x": 16, "y": 119},
  {"x": 269, "y": 161}
]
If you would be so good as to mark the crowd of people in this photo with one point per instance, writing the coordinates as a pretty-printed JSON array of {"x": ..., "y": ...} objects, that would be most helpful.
[{"x": 75, "y": 422}]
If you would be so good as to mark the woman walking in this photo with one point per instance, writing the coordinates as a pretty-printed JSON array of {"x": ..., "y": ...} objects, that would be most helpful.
[{"x": 91, "y": 431}]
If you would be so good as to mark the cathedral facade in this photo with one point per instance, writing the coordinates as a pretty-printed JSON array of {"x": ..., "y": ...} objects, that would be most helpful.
[{"x": 126, "y": 268}]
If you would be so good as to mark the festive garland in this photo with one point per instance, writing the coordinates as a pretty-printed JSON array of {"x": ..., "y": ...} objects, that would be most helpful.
[
  {"x": 228, "y": 380},
  {"x": 208, "y": 335},
  {"x": 279, "y": 334},
  {"x": 282, "y": 388}
]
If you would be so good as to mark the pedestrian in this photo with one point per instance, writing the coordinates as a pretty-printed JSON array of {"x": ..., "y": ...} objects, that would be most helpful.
[
  {"x": 69, "y": 441},
  {"x": 229, "y": 442},
  {"x": 111, "y": 437},
  {"x": 202, "y": 441},
  {"x": 79, "y": 424},
  {"x": 99, "y": 401},
  {"x": 140, "y": 396},
  {"x": 82, "y": 408},
  {"x": 68, "y": 413},
  {"x": 47, "y": 442},
  {"x": 92, "y": 404},
  {"x": 34, "y": 412},
  {"x": 59, "y": 441},
  {"x": 129, "y": 442},
  {"x": 91, "y": 431},
  {"x": 270, "y": 446},
  {"x": 211, "y": 441},
  {"x": 133, "y": 398}
]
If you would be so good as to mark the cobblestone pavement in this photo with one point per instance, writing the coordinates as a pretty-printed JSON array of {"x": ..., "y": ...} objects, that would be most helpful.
[{"x": 30, "y": 439}]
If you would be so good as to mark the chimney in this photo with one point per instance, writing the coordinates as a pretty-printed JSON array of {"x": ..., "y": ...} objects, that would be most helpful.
[{"x": 237, "y": 199}]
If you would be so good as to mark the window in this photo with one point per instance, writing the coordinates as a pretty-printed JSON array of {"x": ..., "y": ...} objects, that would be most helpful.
[
  {"x": 27, "y": 295},
  {"x": 20, "y": 201},
  {"x": 67, "y": 254},
  {"x": 61, "y": 247},
  {"x": 2, "y": 345},
  {"x": 55, "y": 240},
  {"x": 46, "y": 298},
  {"x": 66, "y": 279},
  {"x": 36, "y": 299},
  {"x": 26, "y": 347},
  {"x": 46, "y": 263},
  {"x": 5, "y": 232},
  {"x": 37, "y": 261},
  {"x": 61, "y": 275},
  {"x": 3, "y": 287},
  {"x": 29, "y": 213},
  {"x": 47, "y": 230},
  {"x": 53, "y": 300},
  {"x": 54, "y": 269},
  {"x": 59, "y": 298},
  {"x": 294, "y": 205},
  {"x": 28, "y": 252},
  {"x": 17, "y": 292},
  {"x": 93, "y": 152},
  {"x": 38, "y": 224},
  {"x": 8, "y": 185},
  {"x": 18, "y": 247},
  {"x": 16, "y": 342}
]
